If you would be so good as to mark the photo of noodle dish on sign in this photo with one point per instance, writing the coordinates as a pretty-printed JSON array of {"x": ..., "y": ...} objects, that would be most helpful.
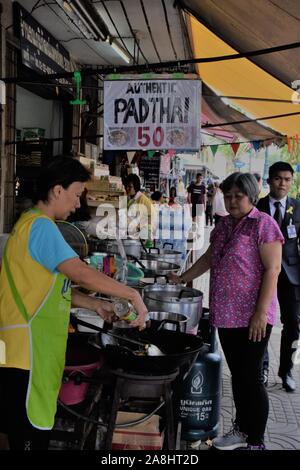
[
  {"x": 118, "y": 137},
  {"x": 176, "y": 136}
]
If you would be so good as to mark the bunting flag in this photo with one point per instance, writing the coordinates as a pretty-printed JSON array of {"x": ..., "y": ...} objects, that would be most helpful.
[
  {"x": 256, "y": 145},
  {"x": 130, "y": 156},
  {"x": 293, "y": 143},
  {"x": 214, "y": 149},
  {"x": 150, "y": 153},
  {"x": 235, "y": 147},
  {"x": 171, "y": 153}
]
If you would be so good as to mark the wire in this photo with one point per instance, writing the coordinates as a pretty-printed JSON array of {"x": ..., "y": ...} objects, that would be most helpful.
[
  {"x": 35, "y": 6},
  {"x": 149, "y": 29},
  {"x": 246, "y": 98},
  {"x": 223, "y": 124},
  {"x": 74, "y": 23},
  {"x": 114, "y": 25},
  {"x": 168, "y": 27},
  {"x": 131, "y": 30},
  {"x": 161, "y": 65},
  {"x": 98, "y": 423}
]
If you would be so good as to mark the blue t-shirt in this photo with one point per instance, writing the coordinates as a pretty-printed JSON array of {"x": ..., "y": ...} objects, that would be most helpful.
[{"x": 47, "y": 246}]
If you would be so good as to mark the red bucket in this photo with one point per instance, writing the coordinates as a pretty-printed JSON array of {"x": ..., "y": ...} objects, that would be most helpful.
[{"x": 81, "y": 359}]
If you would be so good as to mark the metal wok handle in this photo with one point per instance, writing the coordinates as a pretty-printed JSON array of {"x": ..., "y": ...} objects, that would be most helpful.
[
  {"x": 143, "y": 246},
  {"x": 167, "y": 243},
  {"x": 174, "y": 322},
  {"x": 182, "y": 292},
  {"x": 107, "y": 332},
  {"x": 137, "y": 261}
]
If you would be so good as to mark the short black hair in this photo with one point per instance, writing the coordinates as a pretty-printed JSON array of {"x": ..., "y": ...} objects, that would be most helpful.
[
  {"x": 257, "y": 176},
  {"x": 246, "y": 183},
  {"x": 279, "y": 166},
  {"x": 61, "y": 170},
  {"x": 156, "y": 196},
  {"x": 135, "y": 180},
  {"x": 173, "y": 189},
  {"x": 199, "y": 174}
]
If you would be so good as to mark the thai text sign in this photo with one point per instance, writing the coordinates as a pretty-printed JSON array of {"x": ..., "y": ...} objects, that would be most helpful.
[
  {"x": 40, "y": 51},
  {"x": 152, "y": 114}
]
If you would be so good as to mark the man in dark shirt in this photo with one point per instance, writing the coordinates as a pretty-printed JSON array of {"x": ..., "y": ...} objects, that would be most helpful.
[{"x": 197, "y": 196}]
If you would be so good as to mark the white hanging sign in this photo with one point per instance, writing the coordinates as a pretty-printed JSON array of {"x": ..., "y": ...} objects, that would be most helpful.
[{"x": 152, "y": 114}]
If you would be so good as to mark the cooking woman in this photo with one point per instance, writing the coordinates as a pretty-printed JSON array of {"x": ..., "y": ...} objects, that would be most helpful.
[
  {"x": 244, "y": 259},
  {"x": 35, "y": 301}
]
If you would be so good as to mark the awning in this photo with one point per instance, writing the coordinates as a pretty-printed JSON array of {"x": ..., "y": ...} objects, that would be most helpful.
[
  {"x": 214, "y": 110},
  {"x": 248, "y": 25},
  {"x": 243, "y": 78}
]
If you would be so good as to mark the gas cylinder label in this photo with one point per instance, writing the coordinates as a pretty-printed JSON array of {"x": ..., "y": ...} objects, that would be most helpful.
[
  {"x": 201, "y": 409},
  {"x": 197, "y": 382}
]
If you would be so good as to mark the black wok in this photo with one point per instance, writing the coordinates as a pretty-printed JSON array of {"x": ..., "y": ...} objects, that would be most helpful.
[{"x": 180, "y": 351}]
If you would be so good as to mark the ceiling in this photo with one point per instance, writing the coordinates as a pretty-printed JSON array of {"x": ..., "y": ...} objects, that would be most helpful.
[
  {"x": 150, "y": 31},
  {"x": 134, "y": 24}
]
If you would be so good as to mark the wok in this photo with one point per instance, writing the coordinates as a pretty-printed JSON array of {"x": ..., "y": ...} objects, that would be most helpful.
[
  {"x": 180, "y": 351},
  {"x": 155, "y": 267}
]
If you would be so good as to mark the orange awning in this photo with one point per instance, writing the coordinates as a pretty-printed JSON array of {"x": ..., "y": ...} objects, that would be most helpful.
[{"x": 243, "y": 78}]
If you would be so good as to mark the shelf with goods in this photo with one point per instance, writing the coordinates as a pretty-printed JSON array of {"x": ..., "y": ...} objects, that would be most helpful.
[
  {"x": 30, "y": 156},
  {"x": 104, "y": 188}
]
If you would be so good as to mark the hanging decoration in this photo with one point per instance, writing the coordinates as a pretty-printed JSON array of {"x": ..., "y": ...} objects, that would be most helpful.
[
  {"x": 77, "y": 79},
  {"x": 235, "y": 147},
  {"x": 171, "y": 153},
  {"x": 214, "y": 149},
  {"x": 293, "y": 143},
  {"x": 151, "y": 153},
  {"x": 256, "y": 145}
]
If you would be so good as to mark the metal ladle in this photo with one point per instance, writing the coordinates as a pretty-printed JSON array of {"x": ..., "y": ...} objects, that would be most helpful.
[{"x": 151, "y": 349}]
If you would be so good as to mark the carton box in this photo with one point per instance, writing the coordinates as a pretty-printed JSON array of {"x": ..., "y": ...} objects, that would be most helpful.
[{"x": 144, "y": 436}]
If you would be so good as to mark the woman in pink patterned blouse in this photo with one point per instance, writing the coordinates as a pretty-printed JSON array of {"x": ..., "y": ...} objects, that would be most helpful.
[{"x": 244, "y": 258}]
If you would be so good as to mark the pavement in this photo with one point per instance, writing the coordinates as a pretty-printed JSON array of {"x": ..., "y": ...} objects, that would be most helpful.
[{"x": 283, "y": 427}]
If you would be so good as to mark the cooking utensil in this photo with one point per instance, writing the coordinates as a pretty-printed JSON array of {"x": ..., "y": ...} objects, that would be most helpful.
[
  {"x": 74, "y": 237},
  {"x": 176, "y": 299},
  {"x": 152, "y": 348},
  {"x": 180, "y": 351},
  {"x": 156, "y": 268},
  {"x": 169, "y": 320}
]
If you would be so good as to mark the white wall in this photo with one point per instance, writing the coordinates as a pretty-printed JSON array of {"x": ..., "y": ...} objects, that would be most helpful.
[{"x": 34, "y": 111}]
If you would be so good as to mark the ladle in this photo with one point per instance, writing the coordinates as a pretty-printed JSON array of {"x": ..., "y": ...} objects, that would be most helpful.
[{"x": 151, "y": 349}]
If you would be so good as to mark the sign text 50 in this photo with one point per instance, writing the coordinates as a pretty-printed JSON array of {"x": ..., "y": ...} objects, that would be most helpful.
[{"x": 146, "y": 137}]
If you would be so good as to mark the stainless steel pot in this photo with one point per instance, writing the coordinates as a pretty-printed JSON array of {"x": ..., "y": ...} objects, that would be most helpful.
[
  {"x": 132, "y": 247},
  {"x": 157, "y": 268},
  {"x": 169, "y": 321},
  {"x": 168, "y": 256},
  {"x": 176, "y": 299}
]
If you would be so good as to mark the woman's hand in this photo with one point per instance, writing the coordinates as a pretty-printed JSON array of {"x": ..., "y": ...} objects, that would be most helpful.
[
  {"x": 257, "y": 327},
  {"x": 105, "y": 310},
  {"x": 173, "y": 277},
  {"x": 141, "y": 310}
]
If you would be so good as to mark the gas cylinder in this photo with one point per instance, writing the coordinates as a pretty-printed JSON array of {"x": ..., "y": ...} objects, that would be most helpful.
[{"x": 199, "y": 395}]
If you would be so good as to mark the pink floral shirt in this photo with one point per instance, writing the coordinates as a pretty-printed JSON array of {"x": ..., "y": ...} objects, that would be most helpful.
[{"x": 237, "y": 270}]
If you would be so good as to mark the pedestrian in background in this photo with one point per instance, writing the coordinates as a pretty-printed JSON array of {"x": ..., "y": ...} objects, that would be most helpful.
[{"x": 286, "y": 211}]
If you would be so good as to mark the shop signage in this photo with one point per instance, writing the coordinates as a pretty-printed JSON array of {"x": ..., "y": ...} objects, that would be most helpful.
[
  {"x": 152, "y": 114},
  {"x": 40, "y": 51}
]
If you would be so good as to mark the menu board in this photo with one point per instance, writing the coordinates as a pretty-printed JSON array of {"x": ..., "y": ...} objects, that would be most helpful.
[
  {"x": 152, "y": 114},
  {"x": 150, "y": 167}
]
